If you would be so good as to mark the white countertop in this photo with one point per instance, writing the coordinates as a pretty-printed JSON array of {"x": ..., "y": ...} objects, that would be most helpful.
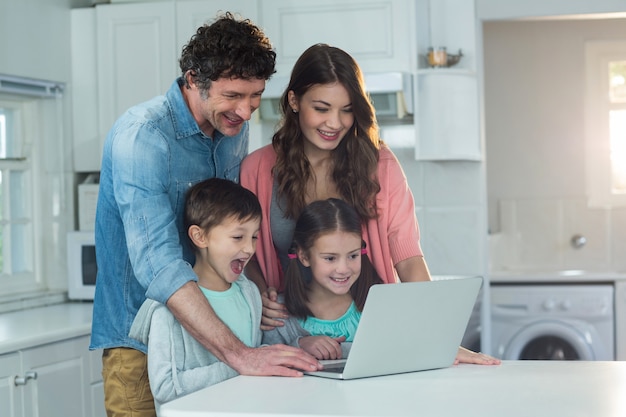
[
  {"x": 513, "y": 389},
  {"x": 37, "y": 326},
  {"x": 573, "y": 276}
]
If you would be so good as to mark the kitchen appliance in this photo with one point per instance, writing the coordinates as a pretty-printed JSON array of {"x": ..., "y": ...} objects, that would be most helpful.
[
  {"x": 553, "y": 322},
  {"x": 81, "y": 265},
  {"x": 391, "y": 94},
  {"x": 87, "y": 202}
]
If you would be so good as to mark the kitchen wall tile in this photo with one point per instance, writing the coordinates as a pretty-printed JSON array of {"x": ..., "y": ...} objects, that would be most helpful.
[
  {"x": 453, "y": 183},
  {"x": 617, "y": 233},
  {"x": 414, "y": 171},
  {"x": 57, "y": 218},
  {"x": 453, "y": 240},
  {"x": 593, "y": 224},
  {"x": 535, "y": 235},
  {"x": 539, "y": 229}
]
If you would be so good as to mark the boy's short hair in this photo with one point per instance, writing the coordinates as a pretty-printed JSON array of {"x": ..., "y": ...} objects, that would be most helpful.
[{"x": 212, "y": 201}]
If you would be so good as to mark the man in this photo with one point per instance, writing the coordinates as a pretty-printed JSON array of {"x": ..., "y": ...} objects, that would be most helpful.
[{"x": 153, "y": 154}]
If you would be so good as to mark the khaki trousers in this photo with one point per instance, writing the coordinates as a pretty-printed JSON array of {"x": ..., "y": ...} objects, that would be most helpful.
[{"x": 126, "y": 386}]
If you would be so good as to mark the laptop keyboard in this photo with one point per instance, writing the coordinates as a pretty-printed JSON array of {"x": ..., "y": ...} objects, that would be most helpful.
[{"x": 334, "y": 367}]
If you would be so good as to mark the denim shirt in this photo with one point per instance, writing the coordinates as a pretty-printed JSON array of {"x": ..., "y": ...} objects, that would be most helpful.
[{"x": 152, "y": 155}]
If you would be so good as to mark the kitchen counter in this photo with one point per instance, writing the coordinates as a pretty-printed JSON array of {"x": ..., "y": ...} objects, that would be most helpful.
[
  {"x": 513, "y": 389},
  {"x": 38, "y": 326},
  {"x": 573, "y": 276}
]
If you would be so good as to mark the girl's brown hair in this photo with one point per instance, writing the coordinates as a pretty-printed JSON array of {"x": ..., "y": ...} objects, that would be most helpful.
[{"x": 317, "y": 219}]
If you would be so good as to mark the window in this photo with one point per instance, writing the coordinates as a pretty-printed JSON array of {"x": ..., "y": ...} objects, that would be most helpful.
[
  {"x": 36, "y": 207},
  {"x": 617, "y": 125},
  {"x": 605, "y": 123},
  {"x": 17, "y": 257}
]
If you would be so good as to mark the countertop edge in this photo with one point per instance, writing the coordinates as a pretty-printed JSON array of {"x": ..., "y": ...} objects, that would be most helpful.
[
  {"x": 569, "y": 277},
  {"x": 42, "y": 325}
]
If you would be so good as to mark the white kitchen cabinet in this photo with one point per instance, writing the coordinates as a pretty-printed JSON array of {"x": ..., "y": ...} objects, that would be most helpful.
[
  {"x": 127, "y": 53},
  {"x": 87, "y": 137},
  {"x": 448, "y": 120},
  {"x": 191, "y": 14},
  {"x": 379, "y": 34},
  {"x": 51, "y": 380},
  {"x": 11, "y": 397},
  {"x": 122, "y": 54},
  {"x": 447, "y": 105},
  {"x": 96, "y": 388},
  {"x": 136, "y": 55}
]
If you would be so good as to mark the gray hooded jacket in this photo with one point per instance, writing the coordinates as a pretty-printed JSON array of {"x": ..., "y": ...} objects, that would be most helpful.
[{"x": 177, "y": 363}]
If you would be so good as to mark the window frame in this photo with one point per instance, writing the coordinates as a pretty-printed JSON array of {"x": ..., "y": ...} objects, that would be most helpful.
[
  {"x": 598, "y": 174},
  {"x": 30, "y": 281}
]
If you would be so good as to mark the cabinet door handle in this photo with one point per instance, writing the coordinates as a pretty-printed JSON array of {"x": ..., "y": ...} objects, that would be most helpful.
[{"x": 22, "y": 380}]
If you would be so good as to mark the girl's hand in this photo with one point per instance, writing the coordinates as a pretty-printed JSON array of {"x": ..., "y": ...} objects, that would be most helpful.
[
  {"x": 322, "y": 347},
  {"x": 467, "y": 356},
  {"x": 272, "y": 310}
]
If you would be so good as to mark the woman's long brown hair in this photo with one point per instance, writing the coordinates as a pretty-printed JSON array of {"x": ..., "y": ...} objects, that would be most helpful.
[{"x": 355, "y": 159}]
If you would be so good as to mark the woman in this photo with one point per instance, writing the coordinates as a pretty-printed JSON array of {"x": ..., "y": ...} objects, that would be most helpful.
[{"x": 328, "y": 146}]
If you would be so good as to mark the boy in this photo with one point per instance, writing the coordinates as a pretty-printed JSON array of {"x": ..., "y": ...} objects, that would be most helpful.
[{"x": 222, "y": 220}]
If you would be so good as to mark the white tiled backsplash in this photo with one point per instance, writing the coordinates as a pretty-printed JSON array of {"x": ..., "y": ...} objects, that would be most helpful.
[{"x": 536, "y": 235}]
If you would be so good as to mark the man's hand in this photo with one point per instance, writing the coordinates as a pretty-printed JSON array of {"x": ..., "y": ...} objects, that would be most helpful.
[
  {"x": 272, "y": 310},
  {"x": 274, "y": 360}
]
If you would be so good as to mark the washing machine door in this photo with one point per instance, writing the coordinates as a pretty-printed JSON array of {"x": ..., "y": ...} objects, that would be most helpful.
[{"x": 550, "y": 340}]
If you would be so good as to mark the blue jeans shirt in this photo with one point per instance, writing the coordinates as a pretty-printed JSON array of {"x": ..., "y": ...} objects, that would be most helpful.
[{"x": 153, "y": 154}]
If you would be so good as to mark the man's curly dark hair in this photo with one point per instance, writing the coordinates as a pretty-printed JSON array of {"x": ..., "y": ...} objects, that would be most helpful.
[{"x": 228, "y": 47}]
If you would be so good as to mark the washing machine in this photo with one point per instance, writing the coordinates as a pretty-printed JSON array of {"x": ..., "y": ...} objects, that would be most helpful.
[{"x": 553, "y": 322}]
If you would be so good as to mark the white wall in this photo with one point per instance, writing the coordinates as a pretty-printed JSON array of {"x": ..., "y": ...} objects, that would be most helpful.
[
  {"x": 534, "y": 113},
  {"x": 514, "y": 9}
]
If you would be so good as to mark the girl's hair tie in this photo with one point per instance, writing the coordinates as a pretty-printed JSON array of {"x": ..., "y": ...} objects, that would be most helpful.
[
  {"x": 292, "y": 256},
  {"x": 363, "y": 247},
  {"x": 363, "y": 251}
]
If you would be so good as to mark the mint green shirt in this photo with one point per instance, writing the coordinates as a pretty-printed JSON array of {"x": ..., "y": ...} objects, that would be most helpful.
[{"x": 231, "y": 307}]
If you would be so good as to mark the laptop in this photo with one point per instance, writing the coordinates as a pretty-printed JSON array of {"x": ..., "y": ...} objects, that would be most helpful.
[{"x": 408, "y": 327}]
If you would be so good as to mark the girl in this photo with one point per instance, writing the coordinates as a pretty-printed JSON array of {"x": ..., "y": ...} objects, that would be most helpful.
[{"x": 326, "y": 282}]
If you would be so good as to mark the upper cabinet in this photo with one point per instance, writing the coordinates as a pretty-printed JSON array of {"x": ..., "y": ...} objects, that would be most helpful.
[
  {"x": 191, "y": 14},
  {"x": 447, "y": 104},
  {"x": 136, "y": 55},
  {"x": 122, "y": 54},
  {"x": 86, "y": 134},
  {"x": 379, "y": 34},
  {"x": 127, "y": 53}
]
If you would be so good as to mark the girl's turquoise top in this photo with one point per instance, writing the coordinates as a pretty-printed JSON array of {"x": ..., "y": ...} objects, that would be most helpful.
[{"x": 345, "y": 325}]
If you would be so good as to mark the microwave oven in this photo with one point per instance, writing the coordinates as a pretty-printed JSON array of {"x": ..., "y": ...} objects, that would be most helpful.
[{"x": 81, "y": 265}]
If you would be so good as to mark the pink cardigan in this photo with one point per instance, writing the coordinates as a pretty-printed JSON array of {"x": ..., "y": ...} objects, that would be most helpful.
[{"x": 391, "y": 238}]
